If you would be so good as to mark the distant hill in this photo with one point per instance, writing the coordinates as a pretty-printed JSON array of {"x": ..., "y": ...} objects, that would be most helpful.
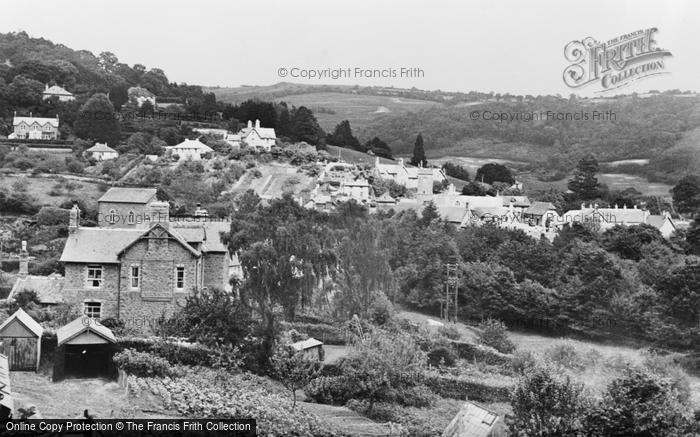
[{"x": 333, "y": 104}]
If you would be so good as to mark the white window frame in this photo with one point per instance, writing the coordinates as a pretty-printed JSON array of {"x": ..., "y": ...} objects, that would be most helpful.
[
  {"x": 133, "y": 277},
  {"x": 99, "y": 278},
  {"x": 92, "y": 309},
  {"x": 179, "y": 269}
]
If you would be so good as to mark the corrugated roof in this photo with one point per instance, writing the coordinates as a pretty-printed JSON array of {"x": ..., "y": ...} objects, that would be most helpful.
[
  {"x": 306, "y": 344},
  {"x": 128, "y": 195},
  {"x": 48, "y": 288},
  {"x": 81, "y": 325},
  {"x": 26, "y": 320},
  {"x": 5, "y": 386}
]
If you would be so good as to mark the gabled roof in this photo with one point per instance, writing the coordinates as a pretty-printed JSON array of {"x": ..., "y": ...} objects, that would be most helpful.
[
  {"x": 81, "y": 325},
  {"x": 128, "y": 195},
  {"x": 306, "y": 344},
  {"x": 539, "y": 208},
  {"x": 657, "y": 221},
  {"x": 49, "y": 289},
  {"x": 25, "y": 319},
  {"x": 172, "y": 232},
  {"x": 452, "y": 214},
  {"x": 101, "y": 147},
  {"x": 39, "y": 120},
  {"x": 386, "y": 198},
  {"x": 519, "y": 201},
  {"x": 98, "y": 245}
]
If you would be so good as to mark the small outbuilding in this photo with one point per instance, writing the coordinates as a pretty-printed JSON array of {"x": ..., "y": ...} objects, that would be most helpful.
[
  {"x": 311, "y": 348},
  {"x": 6, "y": 401},
  {"x": 84, "y": 349},
  {"x": 473, "y": 420},
  {"x": 101, "y": 152},
  {"x": 20, "y": 341}
]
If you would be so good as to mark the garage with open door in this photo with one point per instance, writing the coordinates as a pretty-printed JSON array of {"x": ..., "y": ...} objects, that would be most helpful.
[
  {"x": 84, "y": 350},
  {"x": 20, "y": 341}
]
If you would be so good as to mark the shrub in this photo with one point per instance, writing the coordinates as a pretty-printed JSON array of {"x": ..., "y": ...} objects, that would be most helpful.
[
  {"x": 332, "y": 390},
  {"x": 381, "y": 310},
  {"x": 450, "y": 331},
  {"x": 143, "y": 364},
  {"x": 640, "y": 403},
  {"x": 547, "y": 404},
  {"x": 328, "y": 334},
  {"x": 294, "y": 370},
  {"x": 494, "y": 333},
  {"x": 480, "y": 353},
  {"x": 523, "y": 361},
  {"x": 442, "y": 356},
  {"x": 457, "y": 387}
]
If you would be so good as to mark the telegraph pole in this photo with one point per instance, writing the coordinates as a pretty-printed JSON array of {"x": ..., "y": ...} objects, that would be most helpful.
[{"x": 451, "y": 290}]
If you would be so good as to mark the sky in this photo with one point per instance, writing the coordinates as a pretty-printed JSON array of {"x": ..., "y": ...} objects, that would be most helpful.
[{"x": 502, "y": 46}]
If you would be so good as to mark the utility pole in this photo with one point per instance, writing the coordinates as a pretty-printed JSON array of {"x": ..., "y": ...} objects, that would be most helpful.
[{"x": 450, "y": 308}]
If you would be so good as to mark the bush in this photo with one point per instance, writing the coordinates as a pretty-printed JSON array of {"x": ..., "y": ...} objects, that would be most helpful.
[
  {"x": 381, "y": 310},
  {"x": 450, "y": 331},
  {"x": 332, "y": 390},
  {"x": 143, "y": 364},
  {"x": 495, "y": 334},
  {"x": 480, "y": 353},
  {"x": 547, "y": 404},
  {"x": 442, "y": 356},
  {"x": 52, "y": 216}
]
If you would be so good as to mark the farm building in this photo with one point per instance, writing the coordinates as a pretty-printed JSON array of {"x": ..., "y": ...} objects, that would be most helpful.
[
  {"x": 6, "y": 402},
  {"x": 20, "y": 341},
  {"x": 475, "y": 421},
  {"x": 84, "y": 349},
  {"x": 310, "y": 347}
]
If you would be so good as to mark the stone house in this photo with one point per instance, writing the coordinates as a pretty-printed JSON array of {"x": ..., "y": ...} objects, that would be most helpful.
[
  {"x": 258, "y": 137},
  {"x": 139, "y": 264},
  {"x": 415, "y": 178}
]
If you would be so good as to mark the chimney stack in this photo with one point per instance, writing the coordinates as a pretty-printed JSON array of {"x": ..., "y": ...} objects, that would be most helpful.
[
  {"x": 250, "y": 124},
  {"x": 74, "y": 219},
  {"x": 23, "y": 261},
  {"x": 257, "y": 124}
]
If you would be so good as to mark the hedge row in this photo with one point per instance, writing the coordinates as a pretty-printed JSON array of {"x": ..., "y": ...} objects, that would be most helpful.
[
  {"x": 328, "y": 334},
  {"x": 464, "y": 388},
  {"x": 174, "y": 353},
  {"x": 481, "y": 353}
]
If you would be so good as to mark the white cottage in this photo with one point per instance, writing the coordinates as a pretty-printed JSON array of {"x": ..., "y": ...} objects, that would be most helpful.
[
  {"x": 259, "y": 137},
  {"x": 190, "y": 149},
  {"x": 101, "y": 152}
]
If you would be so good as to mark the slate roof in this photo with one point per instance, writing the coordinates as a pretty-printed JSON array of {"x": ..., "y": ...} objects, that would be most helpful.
[
  {"x": 98, "y": 245},
  {"x": 306, "y": 344},
  {"x": 128, "y": 195},
  {"x": 472, "y": 420},
  {"x": 25, "y": 319},
  {"x": 49, "y": 289},
  {"x": 539, "y": 208},
  {"x": 101, "y": 147},
  {"x": 81, "y": 325}
]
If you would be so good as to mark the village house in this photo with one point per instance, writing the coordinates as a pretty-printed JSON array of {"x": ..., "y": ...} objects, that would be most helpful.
[
  {"x": 140, "y": 264},
  {"x": 414, "y": 178},
  {"x": 607, "y": 218},
  {"x": 57, "y": 91},
  {"x": 194, "y": 150},
  {"x": 34, "y": 128},
  {"x": 540, "y": 214},
  {"x": 101, "y": 152},
  {"x": 262, "y": 138},
  {"x": 138, "y": 96}
]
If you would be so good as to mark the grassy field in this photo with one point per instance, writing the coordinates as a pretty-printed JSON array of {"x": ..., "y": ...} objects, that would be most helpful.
[
  {"x": 54, "y": 190},
  {"x": 274, "y": 180}
]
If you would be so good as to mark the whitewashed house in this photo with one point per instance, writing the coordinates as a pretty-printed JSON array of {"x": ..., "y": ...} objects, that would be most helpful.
[
  {"x": 34, "y": 128},
  {"x": 57, "y": 91},
  {"x": 101, "y": 152},
  {"x": 190, "y": 149},
  {"x": 259, "y": 137}
]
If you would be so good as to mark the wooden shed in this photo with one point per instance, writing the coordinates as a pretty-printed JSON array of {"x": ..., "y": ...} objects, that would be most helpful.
[
  {"x": 20, "y": 341},
  {"x": 310, "y": 347},
  {"x": 84, "y": 349},
  {"x": 6, "y": 401}
]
